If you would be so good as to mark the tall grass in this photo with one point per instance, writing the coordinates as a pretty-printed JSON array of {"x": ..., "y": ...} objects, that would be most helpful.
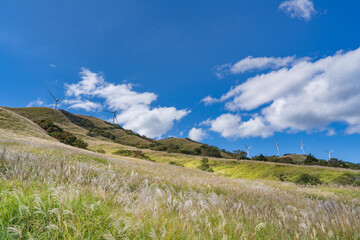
[{"x": 56, "y": 194}]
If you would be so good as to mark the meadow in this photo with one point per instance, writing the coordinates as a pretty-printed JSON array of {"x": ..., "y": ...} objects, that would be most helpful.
[{"x": 59, "y": 192}]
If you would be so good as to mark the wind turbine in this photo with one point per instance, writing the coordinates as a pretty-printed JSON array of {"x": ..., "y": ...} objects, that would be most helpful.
[
  {"x": 114, "y": 116},
  {"x": 56, "y": 99},
  {"x": 248, "y": 150},
  {"x": 302, "y": 146},
  {"x": 277, "y": 147},
  {"x": 329, "y": 152}
]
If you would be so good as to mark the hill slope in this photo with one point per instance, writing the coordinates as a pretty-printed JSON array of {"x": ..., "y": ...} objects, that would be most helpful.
[
  {"x": 98, "y": 127},
  {"x": 40, "y": 113},
  {"x": 14, "y": 123}
]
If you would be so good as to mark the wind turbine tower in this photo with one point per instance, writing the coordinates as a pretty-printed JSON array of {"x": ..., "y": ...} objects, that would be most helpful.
[
  {"x": 248, "y": 150},
  {"x": 55, "y": 99},
  {"x": 277, "y": 147},
  {"x": 302, "y": 147},
  {"x": 114, "y": 116},
  {"x": 329, "y": 152}
]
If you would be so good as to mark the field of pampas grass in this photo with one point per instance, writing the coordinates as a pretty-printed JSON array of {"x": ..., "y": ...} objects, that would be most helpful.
[{"x": 63, "y": 193}]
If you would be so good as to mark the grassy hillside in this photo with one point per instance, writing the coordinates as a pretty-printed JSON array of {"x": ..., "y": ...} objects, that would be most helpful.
[
  {"x": 76, "y": 194},
  {"x": 12, "y": 122},
  {"x": 98, "y": 127},
  {"x": 41, "y": 113},
  {"x": 53, "y": 191}
]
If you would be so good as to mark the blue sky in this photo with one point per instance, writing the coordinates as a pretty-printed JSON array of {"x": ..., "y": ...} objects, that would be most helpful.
[{"x": 234, "y": 72}]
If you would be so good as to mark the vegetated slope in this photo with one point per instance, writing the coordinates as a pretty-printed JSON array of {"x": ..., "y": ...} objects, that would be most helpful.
[
  {"x": 98, "y": 127},
  {"x": 41, "y": 113},
  {"x": 11, "y": 122},
  {"x": 188, "y": 146},
  {"x": 78, "y": 194}
]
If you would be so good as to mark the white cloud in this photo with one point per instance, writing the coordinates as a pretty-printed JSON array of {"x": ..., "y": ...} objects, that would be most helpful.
[
  {"x": 250, "y": 63},
  {"x": 52, "y": 65},
  {"x": 303, "y": 9},
  {"x": 197, "y": 134},
  {"x": 83, "y": 104},
  {"x": 135, "y": 111},
  {"x": 150, "y": 122},
  {"x": 306, "y": 97},
  {"x": 231, "y": 126},
  {"x": 36, "y": 103}
]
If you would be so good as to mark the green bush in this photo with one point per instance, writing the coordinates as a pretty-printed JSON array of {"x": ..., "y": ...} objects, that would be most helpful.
[
  {"x": 345, "y": 179},
  {"x": 176, "y": 164},
  {"x": 100, "y": 150},
  {"x": 356, "y": 183},
  {"x": 205, "y": 166},
  {"x": 61, "y": 135},
  {"x": 306, "y": 178}
]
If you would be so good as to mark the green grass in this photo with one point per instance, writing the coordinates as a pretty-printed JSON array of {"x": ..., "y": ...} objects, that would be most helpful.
[
  {"x": 67, "y": 194},
  {"x": 256, "y": 170}
]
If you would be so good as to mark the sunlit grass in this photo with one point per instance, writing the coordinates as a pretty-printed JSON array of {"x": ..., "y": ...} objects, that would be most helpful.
[{"x": 74, "y": 194}]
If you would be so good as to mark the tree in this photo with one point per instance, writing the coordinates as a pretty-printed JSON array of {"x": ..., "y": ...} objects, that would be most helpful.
[
  {"x": 310, "y": 160},
  {"x": 205, "y": 166},
  {"x": 239, "y": 154}
]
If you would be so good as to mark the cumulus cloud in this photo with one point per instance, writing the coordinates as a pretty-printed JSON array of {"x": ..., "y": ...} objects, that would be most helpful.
[
  {"x": 197, "y": 134},
  {"x": 231, "y": 126},
  {"x": 84, "y": 104},
  {"x": 303, "y": 9},
  {"x": 305, "y": 97},
  {"x": 36, "y": 103},
  {"x": 134, "y": 108},
  {"x": 150, "y": 122}
]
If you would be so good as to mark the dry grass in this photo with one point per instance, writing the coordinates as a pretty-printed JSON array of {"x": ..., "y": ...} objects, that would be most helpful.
[{"x": 61, "y": 192}]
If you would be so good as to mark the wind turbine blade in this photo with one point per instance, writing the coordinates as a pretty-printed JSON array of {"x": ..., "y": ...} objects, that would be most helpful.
[
  {"x": 52, "y": 95},
  {"x": 245, "y": 146}
]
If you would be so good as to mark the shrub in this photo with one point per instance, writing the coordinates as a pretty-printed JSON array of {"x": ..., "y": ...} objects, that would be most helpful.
[
  {"x": 306, "y": 178},
  {"x": 310, "y": 160},
  {"x": 210, "y": 151},
  {"x": 100, "y": 150},
  {"x": 80, "y": 143},
  {"x": 356, "y": 183},
  {"x": 61, "y": 135},
  {"x": 345, "y": 179},
  {"x": 176, "y": 164},
  {"x": 205, "y": 165},
  {"x": 260, "y": 158}
]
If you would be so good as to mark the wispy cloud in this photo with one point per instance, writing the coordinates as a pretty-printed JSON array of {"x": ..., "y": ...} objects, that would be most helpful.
[
  {"x": 83, "y": 104},
  {"x": 36, "y": 103},
  {"x": 52, "y": 65},
  {"x": 302, "y": 9},
  {"x": 251, "y": 64}
]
